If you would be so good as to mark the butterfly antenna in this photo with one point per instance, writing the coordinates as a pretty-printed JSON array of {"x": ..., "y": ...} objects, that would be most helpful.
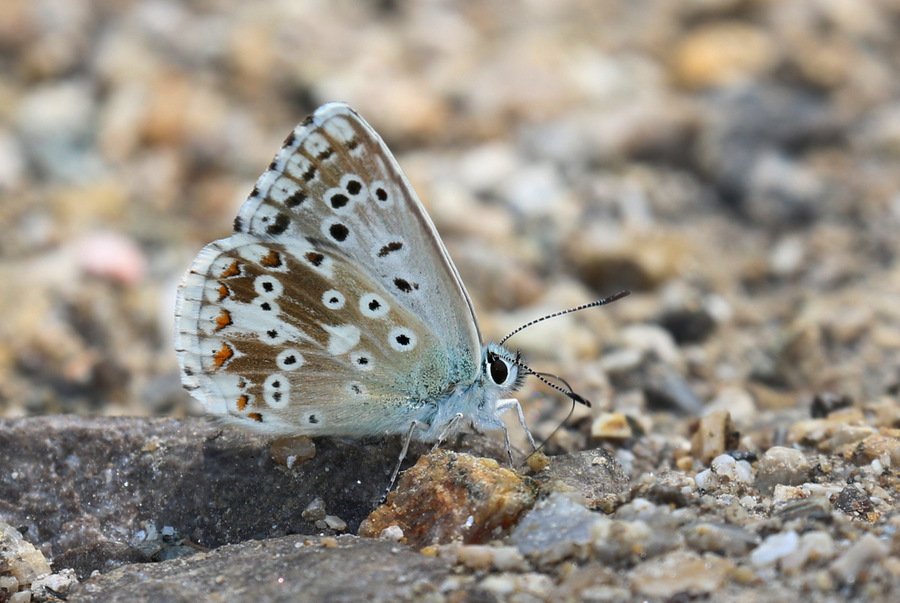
[
  {"x": 594, "y": 304},
  {"x": 545, "y": 378}
]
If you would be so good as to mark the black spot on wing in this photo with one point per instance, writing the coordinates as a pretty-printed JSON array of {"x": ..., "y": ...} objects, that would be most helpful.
[
  {"x": 390, "y": 247},
  {"x": 339, "y": 232},
  {"x": 296, "y": 199},
  {"x": 315, "y": 258},
  {"x": 279, "y": 225}
]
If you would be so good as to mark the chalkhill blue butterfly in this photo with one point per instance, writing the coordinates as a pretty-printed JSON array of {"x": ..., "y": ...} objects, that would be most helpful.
[{"x": 334, "y": 308}]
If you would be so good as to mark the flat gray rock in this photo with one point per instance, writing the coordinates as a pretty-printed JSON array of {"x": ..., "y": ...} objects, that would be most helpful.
[
  {"x": 292, "y": 568},
  {"x": 70, "y": 483}
]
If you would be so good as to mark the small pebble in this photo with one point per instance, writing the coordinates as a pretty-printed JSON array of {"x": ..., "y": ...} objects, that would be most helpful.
[
  {"x": 611, "y": 426},
  {"x": 335, "y": 523},
  {"x": 476, "y": 556},
  {"x": 314, "y": 511},
  {"x": 715, "y": 436},
  {"x": 781, "y": 465},
  {"x": 814, "y": 546},
  {"x": 775, "y": 547},
  {"x": 859, "y": 558},
  {"x": 721, "y": 539},
  {"x": 393, "y": 533}
]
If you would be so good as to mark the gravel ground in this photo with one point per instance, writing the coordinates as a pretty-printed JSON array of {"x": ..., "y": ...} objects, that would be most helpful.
[{"x": 733, "y": 163}]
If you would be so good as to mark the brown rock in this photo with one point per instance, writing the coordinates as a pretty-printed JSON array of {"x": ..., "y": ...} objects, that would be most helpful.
[
  {"x": 818, "y": 432},
  {"x": 681, "y": 572},
  {"x": 714, "y": 436},
  {"x": 875, "y": 447},
  {"x": 611, "y": 426},
  {"x": 290, "y": 451},
  {"x": 19, "y": 558},
  {"x": 723, "y": 53},
  {"x": 448, "y": 496}
]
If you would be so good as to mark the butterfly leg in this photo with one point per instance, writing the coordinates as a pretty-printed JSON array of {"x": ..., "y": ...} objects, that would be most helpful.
[
  {"x": 503, "y": 405},
  {"x": 406, "y": 441},
  {"x": 448, "y": 429}
]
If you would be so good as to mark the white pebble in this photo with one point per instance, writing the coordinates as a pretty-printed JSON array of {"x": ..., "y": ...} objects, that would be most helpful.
[
  {"x": 508, "y": 558},
  {"x": 813, "y": 546},
  {"x": 394, "y": 533},
  {"x": 706, "y": 479},
  {"x": 775, "y": 547},
  {"x": 724, "y": 465},
  {"x": 335, "y": 523}
]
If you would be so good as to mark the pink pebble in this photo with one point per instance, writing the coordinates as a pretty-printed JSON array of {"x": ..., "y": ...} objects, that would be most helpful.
[{"x": 111, "y": 256}]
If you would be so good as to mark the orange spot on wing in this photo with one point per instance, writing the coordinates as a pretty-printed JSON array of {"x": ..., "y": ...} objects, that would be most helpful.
[
  {"x": 223, "y": 292},
  {"x": 223, "y": 320},
  {"x": 223, "y": 355},
  {"x": 242, "y": 402},
  {"x": 256, "y": 417},
  {"x": 272, "y": 260},
  {"x": 233, "y": 270}
]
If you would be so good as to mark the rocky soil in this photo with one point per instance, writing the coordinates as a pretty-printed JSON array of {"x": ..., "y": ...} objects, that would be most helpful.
[{"x": 733, "y": 163}]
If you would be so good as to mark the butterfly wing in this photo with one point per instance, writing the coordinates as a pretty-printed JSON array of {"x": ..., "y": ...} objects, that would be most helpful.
[{"x": 334, "y": 307}]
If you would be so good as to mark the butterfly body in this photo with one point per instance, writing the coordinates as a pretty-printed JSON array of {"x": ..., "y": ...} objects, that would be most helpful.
[{"x": 334, "y": 307}]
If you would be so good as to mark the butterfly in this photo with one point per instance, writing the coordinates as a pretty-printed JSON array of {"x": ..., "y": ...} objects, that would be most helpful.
[{"x": 334, "y": 308}]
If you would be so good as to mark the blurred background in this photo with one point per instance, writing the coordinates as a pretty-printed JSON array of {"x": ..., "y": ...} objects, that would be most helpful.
[{"x": 733, "y": 162}]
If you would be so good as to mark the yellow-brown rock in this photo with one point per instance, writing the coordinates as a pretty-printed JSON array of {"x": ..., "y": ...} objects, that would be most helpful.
[
  {"x": 450, "y": 497},
  {"x": 715, "y": 435}
]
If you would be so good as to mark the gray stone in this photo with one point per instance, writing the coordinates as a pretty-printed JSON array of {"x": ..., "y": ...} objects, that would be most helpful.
[
  {"x": 557, "y": 528},
  {"x": 781, "y": 465},
  {"x": 75, "y": 482},
  {"x": 292, "y": 568},
  {"x": 595, "y": 474}
]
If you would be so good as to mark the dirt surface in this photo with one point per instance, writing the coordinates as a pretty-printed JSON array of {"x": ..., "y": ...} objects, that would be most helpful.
[{"x": 732, "y": 163}]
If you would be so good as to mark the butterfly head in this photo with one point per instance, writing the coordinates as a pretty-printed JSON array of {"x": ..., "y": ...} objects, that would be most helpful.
[{"x": 502, "y": 369}]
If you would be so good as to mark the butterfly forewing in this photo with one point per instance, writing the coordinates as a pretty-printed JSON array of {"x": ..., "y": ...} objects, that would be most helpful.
[{"x": 334, "y": 303}]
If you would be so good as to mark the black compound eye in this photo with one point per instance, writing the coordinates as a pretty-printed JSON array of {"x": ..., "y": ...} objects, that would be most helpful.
[{"x": 498, "y": 369}]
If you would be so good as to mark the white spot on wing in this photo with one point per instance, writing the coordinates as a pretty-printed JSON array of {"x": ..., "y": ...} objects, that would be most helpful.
[
  {"x": 381, "y": 194},
  {"x": 362, "y": 361},
  {"x": 343, "y": 339},
  {"x": 333, "y": 299},
  {"x": 297, "y": 165},
  {"x": 373, "y": 306},
  {"x": 289, "y": 360},
  {"x": 277, "y": 391},
  {"x": 315, "y": 143},
  {"x": 340, "y": 129},
  {"x": 402, "y": 339},
  {"x": 282, "y": 189},
  {"x": 268, "y": 286}
]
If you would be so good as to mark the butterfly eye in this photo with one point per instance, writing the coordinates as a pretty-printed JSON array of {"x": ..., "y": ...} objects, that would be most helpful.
[{"x": 498, "y": 369}]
